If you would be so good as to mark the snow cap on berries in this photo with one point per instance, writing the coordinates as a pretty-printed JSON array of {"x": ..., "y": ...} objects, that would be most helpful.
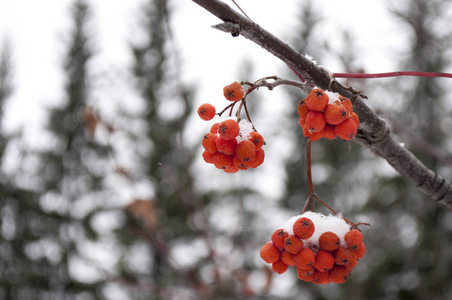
[
  {"x": 245, "y": 129},
  {"x": 322, "y": 224}
]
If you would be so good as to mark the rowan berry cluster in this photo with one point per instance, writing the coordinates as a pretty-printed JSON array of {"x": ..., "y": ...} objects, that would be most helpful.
[
  {"x": 327, "y": 117},
  {"x": 323, "y": 249},
  {"x": 230, "y": 145}
]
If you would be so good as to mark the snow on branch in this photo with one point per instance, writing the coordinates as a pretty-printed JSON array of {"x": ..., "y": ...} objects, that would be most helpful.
[{"x": 373, "y": 131}]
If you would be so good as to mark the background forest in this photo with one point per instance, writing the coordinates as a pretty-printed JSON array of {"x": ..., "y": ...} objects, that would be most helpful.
[{"x": 113, "y": 201}]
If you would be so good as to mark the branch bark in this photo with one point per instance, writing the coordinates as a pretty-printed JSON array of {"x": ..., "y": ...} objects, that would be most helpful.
[{"x": 373, "y": 131}]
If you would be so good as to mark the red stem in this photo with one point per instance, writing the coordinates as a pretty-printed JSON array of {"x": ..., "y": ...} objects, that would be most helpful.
[{"x": 391, "y": 74}]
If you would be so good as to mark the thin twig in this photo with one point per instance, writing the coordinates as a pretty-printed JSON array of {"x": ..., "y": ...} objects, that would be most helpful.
[{"x": 391, "y": 74}]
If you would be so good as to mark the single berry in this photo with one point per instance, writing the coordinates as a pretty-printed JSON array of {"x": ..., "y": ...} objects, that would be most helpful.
[
  {"x": 329, "y": 241},
  {"x": 293, "y": 244},
  {"x": 257, "y": 139},
  {"x": 246, "y": 150},
  {"x": 353, "y": 261},
  {"x": 354, "y": 239},
  {"x": 303, "y": 111},
  {"x": 231, "y": 169},
  {"x": 305, "y": 275},
  {"x": 315, "y": 121},
  {"x": 206, "y": 111},
  {"x": 339, "y": 274},
  {"x": 208, "y": 157},
  {"x": 321, "y": 277},
  {"x": 303, "y": 228},
  {"x": 279, "y": 267},
  {"x": 343, "y": 256},
  {"x": 315, "y": 136},
  {"x": 346, "y": 130},
  {"x": 214, "y": 128},
  {"x": 233, "y": 92},
  {"x": 335, "y": 113},
  {"x": 240, "y": 164},
  {"x": 304, "y": 259},
  {"x": 355, "y": 118},
  {"x": 222, "y": 161},
  {"x": 317, "y": 100},
  {"x": 328, "y": 132},
  {"x": 209, "y": 142},
  {"x": 347, "y": 105},
  {"x": 258, "y": 159},
  {"x": 228, "y": 129},
  {"x": 287, "y": 258},
  {"x": 225, "y": 146},
  {"x": 278, "y": 238},
  {"x": 324, "y": 261},
  {"x": 360, "y": 251},
  {"x": 269, "y": 253}
]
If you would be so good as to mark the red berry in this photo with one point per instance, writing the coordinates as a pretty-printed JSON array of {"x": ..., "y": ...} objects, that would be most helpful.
[
  {"x": 269, "y": 253},
  {"x": 303, "y": 228},
  {"x": 246, "y": 150},
  {"x": 317, "y": 100},
  {"x": 279, "y": 267},
  {"x": 360, "y": 251},
  {"x": 329, "y": 241},
  {"x": 343, "y": 256},
  {"x": 346, "y": 130},
  {"x": 315, "y": 121},
  {"x": 321, "y": 277},
  {"x": 335, "y": 113},
  {"x": 222, "y": 161},
  {"x": 293, "y": 244},
  {"x": 233, "y": 92},
  {"x": 208, "y": 157},
  {"x": 287, "y": 258},
  {"x": 226, "y": 146},
  {"x": 304, "y": 259},
  {"x": 258, "y": 159},
  {"x": 354, "y": 239},
  {"x": 278, "y": 238},
  {"x": 206, "y": 111},
  {"x": 324, "y": 261},
  {"x": 228, "y": 129},
  {"x": 209, "y": 142},
  {"x": 257, "y": 139},
  {"x": 339, "y": 274}
]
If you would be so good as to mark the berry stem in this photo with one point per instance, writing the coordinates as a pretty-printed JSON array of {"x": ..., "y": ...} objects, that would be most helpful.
[{"x": 391, "y": 74}]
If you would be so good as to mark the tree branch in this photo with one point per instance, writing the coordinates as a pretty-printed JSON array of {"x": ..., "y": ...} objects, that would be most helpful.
[{"x": 373, "y": 131}]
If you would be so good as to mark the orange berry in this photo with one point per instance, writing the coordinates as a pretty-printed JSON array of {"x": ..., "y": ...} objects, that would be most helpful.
[
  {"x": 214, "y": 128},
  {"x": 279, "y": 267},
  {"x": 208, "y": 157},
  {"x": 239, "y": 164},
  {"x": 258, "y": 159},
  {"x": 225, "y": 146},
  {"x": 287, "y": 258},
  {"x": 329, "y": 241},
  {"x": 328, "y": 132},
  {"x": 278, "y": 238},
  {"x": 347, "y": 105},
  {"x": 303, "y": 111},
  {"x": 305, "y": 275},
  {"x": 315, "y": 121},
  {"x": 315, "y": 136},
  {"x": 360, "y": 251},
  {"x": 324, "y": 261},
  {"x": 317, "y": 100},
  {"x": 228, "y": 129},
  {"x": 257, "y": 139},
  {"x": 352, "y": 262},
  {"x": 231, "y": 169},
  {"x": 269, "y": 253},
  {"x": 355, "y": 118},
  {"x": 346, "y": 130},
  {"x": 303, "y": 228},
  {"x": 293, "y": 244},
  {"x": 321, "y": 277},
  {"x": 222, "y": 161},
  {"x": 343, "y": 256},
  {"x": 339, "y": 274},
  {"x": 245, "y": 150},
  {"x": 354, "y": 239},
  {"x": 209, "y": 142},
  {"x": 233, "y": 92},
  {"x": 304, "y": 259},
  {"x": 206, "y": 111},
  {"x": 335, "y": 113}
]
